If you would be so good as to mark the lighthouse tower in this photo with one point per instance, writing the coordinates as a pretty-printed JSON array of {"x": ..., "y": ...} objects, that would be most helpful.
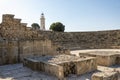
[{"x": 42, "y": 19}]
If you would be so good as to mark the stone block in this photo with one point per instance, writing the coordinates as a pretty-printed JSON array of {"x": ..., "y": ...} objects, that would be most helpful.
[
  {"x": 61, "y": 65},
  {"x": 105, "y": 76},
  {"x": 87, "y": 65},
  {"x": 24, "y": 24},
  {"x": 102, "y": 59},
  {"x": 106, "y": 60},
  {"x": 17, "y": 21},
  {"x": 7, "y": 17},
  {"x": 53, "y": 69}
]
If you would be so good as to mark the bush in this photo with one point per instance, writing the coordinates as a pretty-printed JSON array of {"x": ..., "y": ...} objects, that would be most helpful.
[{"x": 57, "y": 27}]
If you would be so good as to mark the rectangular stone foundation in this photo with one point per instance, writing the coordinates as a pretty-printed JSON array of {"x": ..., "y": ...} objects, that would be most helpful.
[
  {"x": 53, "y": 69},
  {"x": 104, "y": 59},
  {"x": 80, "y": 66},
  {"x": 105, "y": 76},
  {"x": 60, "y": 67}
]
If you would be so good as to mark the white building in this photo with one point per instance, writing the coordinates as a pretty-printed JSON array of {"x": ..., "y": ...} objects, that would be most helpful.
[{"x": 42, "y": 22}]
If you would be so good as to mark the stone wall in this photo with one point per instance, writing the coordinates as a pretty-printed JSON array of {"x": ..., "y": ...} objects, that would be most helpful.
[
  {"x": 85, "y": 40},
  {"x": 8, "y": 52},
  {"x": 16, "y": 38},
  {"x": 18, "y": 41},
  {"x": 61, "y": 67},
  {"x": 36, "y": 47},
  {"x": 12, "y": 29},
  {"x": 79, "y": 67},
  {"x": 15, "y": 51}
]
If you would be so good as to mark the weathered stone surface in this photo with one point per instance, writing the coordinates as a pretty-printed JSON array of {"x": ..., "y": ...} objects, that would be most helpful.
[
  {"x": 105, "y": 76},
  {"x": 11, "y": 29},
  {"x": 85, "y": 40},
  {"x": 104, "y": 58},
  {"x": 86, "y": 66},
  {"x": 53, "y": 69},
  {"x": 62, "y": 65},
  {"x": 18, "y": 41}
]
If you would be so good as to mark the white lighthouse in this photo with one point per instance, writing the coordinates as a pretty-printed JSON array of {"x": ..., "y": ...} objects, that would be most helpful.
[{"x": 42, "y": 20}]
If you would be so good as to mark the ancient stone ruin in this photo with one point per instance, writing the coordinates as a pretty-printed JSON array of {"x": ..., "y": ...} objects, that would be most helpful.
[
  {"x": 62, "y": 65},
  {"x": 17, "y": 41},
  {"x": 107, "y": 58},
  {"x": 50, "y": 52}
]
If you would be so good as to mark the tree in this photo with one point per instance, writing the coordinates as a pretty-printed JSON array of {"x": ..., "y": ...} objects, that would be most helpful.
[
  {"x": 57, "y": 27},
  {"x": 35, "y": 26}
]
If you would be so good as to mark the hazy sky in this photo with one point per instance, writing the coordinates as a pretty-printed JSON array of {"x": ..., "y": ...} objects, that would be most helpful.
[{"x": 76, "y": 15}]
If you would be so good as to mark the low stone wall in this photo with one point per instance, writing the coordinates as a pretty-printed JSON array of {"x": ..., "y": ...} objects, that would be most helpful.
[
  {"x": 53, "y": 69},
  {"x": 14, "y": 51},
  {"x": 8, "y": 52},
  {"x": 106, "y": 60},
  {"x": 36, "y": 48},
  {"x": 103, "y": 59},
  {"x": 105, "y": 76},
  {"x": 79, "y": 67},
  {"x": 86, "y": 66},
  {"x": 61, "y": 68}
]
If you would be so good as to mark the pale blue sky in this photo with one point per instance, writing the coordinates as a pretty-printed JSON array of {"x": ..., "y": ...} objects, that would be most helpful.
[{"x": 76, "y": 15}]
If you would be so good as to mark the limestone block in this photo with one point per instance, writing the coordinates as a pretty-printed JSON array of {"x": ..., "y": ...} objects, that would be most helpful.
[
  {"x": 86, "y": 65},
  {"x": 24, "y": 24},
  {"x": 102, "y": 59},
  {"x": 105, "y": 76},
  {"x": 106, "y": 60},
  {"x": 53, "y": 69},
  {"x": 7, "y": 17},
  {"x": 17, "y": 20}
]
